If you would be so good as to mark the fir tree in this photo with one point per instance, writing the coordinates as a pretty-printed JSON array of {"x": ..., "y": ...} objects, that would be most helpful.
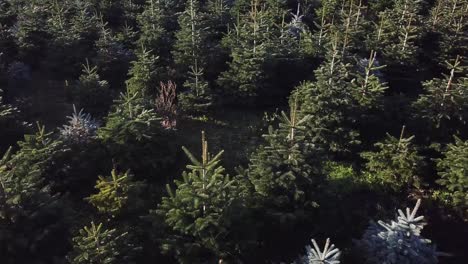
[
  {"x": 143, "y": 74},
  {"x": 81, "y": 128},
  {"x": 90, "y": 92},
  {"x": 196, "y": 213},
  {"x": 282, "y": 171},
  {"x": 154, "y": 35},
  {"x": 329, "y": 254},
  {"x": 397, "y": 32},
  {"x": 395, "y": 164},
  {"x": 190, "y": 54},
  {"x": 399, "y": 241},
  {"x": 448, "y": 19},
  {"x": 117, "y": 193},
  {"x": 32, "y": 218},
  {"x": 453, "y": 172},
  {"x": 250, "y": 44},
  {"x": 95, "y": 245},
  {"x": 445, "y": 103},
  {"x": 112, "y": 58}
]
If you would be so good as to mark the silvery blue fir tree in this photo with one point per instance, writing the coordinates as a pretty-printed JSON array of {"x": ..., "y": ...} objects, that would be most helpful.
[
  {"x": 315, "y": 255},
  {"x": 398, "y": 242},
  {"x": 81, "y": 128}
]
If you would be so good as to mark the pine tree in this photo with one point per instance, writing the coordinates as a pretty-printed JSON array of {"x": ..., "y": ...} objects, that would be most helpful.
[
  {"x": 399, "y": 241},
  {"x": 95, "y": 245},
  {"x": 90, "y": 92},
  {"x": 453, "y": 172},
  {"x": 329, "y": 254},
  {"x": 143, "y": 74},
  {"x": 395, "y": 164},
  {"x": 33, "y": 220},
  {"x": 117, "y": 193},
  {"x": 445, "y": 101},
  {"x": 196, "y": 213}
]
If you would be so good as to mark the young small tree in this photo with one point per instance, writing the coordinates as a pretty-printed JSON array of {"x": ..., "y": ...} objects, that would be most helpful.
[
  {"x": 90, "y": 92},
  {"x": 95, "y": 245},
  {"x": 143, "y": 74},
  {"x": 395, "y": 165},
  {"x": 453, "y": 172},
  {"x": 117, "y": 193},
  {"x": 196, "y": 213},
  {"x": 81, "y": 128},
  {"x": 399, "y": 241},
  {"x": 329, "y": 254}
]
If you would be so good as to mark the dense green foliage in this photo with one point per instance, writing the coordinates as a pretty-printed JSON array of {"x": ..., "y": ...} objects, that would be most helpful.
[{"x": 302, "y": 100}]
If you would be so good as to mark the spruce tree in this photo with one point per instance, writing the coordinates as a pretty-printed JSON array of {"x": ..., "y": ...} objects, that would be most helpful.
[
  {"x": 395, "y": 165},
  {"x": 196, "y": 213},
  {"x": 399, "y": 241},
  {"x": 81, "y": 128}
]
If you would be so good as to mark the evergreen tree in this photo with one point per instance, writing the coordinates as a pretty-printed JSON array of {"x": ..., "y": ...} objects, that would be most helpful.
[
  {"x": 154, "y": 35},
  {"x": 444, "y": 105},
  {"x": 453, "y": 172},
  {"x": 399, "y": 241},
  {"x": 448, "y": 19},
  {"x": 143, "y": 74},
  {"x": 117, "y": 193},
  {"x": 196, "y": 213},
  {"x": 329, "y": 254},
  {"x": 250, "y": 44},
  {"x": 190, "y": 54},
  {"x": 284, "y": 172},
  {"x": 112, "y": 58},
  {"x": 395, "y": 164},
  {"x": 81, "y": 128},
  {"x": 90, "y": 92},
  {"x": 33, "y": 221},
  {"x": 96, "y": 245},
  {"x": 397, "y": 32}
]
